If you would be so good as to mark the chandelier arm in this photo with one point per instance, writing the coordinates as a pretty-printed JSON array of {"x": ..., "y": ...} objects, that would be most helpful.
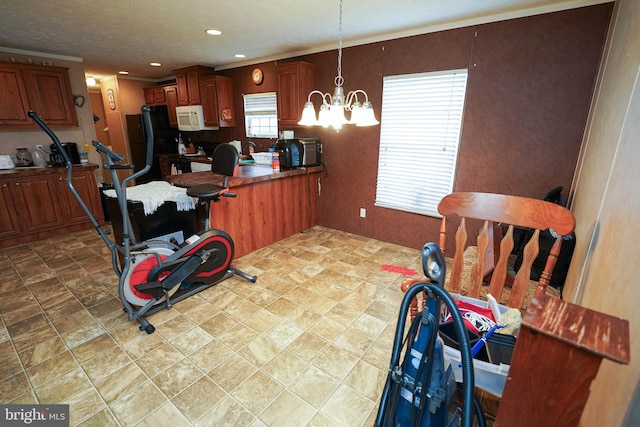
[
  {"x": 353, "y": 96},
  {"x": 324, "y": 96}
]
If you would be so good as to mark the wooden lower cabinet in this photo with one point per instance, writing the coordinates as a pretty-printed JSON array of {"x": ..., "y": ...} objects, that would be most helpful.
[{"x": 40, "y": 205}]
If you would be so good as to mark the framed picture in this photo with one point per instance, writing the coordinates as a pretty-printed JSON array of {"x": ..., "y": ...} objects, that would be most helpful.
[{"x": 111, "y": 98}]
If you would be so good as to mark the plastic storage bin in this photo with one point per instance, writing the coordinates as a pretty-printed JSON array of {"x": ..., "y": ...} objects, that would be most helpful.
[{"x": 488, "y": 376}]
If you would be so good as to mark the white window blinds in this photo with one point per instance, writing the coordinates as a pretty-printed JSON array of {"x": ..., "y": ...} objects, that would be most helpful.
[
  {"x": 260, "y": 115},
  {"x": 419, "y": 138}
]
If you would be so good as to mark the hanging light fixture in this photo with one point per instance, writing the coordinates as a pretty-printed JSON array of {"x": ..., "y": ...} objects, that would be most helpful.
[{"x": 332, "y": 110}]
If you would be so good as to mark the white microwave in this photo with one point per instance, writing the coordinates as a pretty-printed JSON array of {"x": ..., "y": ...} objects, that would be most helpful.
[{"x": 191, "y": 118}]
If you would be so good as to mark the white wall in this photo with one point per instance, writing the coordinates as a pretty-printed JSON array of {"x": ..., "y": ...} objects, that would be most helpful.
[{"x": 605, "y": 271}]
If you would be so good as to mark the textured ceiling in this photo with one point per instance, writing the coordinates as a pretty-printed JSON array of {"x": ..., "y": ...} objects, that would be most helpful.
[{"x": 129, "y": 34}]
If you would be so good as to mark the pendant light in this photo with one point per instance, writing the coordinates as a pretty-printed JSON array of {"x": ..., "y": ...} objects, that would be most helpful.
[{"x": 332, "y": 110}]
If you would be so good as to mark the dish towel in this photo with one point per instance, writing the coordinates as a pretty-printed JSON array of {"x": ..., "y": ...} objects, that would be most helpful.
[{"x": 153, "y": 195}]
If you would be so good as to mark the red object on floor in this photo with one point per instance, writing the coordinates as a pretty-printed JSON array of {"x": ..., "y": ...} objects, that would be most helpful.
[{"x": 402, "y": 270}]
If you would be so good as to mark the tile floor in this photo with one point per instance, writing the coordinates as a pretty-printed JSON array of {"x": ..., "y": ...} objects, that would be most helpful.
[{"x": 307, "y": 345}]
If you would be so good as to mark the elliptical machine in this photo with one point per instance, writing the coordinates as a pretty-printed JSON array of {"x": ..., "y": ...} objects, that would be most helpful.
[{"x": 156, "y": 274}]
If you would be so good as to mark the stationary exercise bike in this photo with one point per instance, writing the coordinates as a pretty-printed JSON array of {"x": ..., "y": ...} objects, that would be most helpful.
[{"x": 155, "y": 274}]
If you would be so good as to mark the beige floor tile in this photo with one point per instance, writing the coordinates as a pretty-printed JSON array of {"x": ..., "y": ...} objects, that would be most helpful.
[
  {"x": 210, "y": 355},
  {"x": 92, "y": 348},
  {"x": 165, "y": 416},
  {"x": 285, "y": 367},
  {"x": 138, "y": 404},
  {"x": 258, "y": 392},
  {"x": 51, "y": 368},
  {"x": 197, "y": 399},
  {"x": 177, "y": 377},
  {"x": 307, "y": 346},
  {"x": 106, "y": 363},
  {"x": 228, "y": 413},
  {"x": 232, "y": 372},
  {"x": 192, "y": 340},
  {"x": 260, "y": 350},
  {"x": 314, "y": 386},
  {"x": 59, "y": 389},
  {"x": 120, "y": 382},
  {"x": 347, "y": 407},
  {"x": 281, "y": 413},
  {"x": 159, "y": 359},
  {"x": 84, "y": 405}
]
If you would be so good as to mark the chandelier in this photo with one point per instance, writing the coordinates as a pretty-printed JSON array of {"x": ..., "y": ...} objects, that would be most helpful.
[{"x": 332, "y": 110}]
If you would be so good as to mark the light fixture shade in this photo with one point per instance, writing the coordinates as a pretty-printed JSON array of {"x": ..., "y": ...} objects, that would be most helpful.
[
  {"x": 308, "y": 115},
  {"x": 366, "y": 116},
  {"x": 336, "y": 115},
  {"x": 324, "y": 118},
  {"x": 356, "y": 112}
]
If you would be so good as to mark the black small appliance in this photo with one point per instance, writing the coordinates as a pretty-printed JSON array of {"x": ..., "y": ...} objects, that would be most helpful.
[
  {"x": 291, "y": 153},
  {"x": 57, "y": 159},
  {"x": 312, "y": 152}
]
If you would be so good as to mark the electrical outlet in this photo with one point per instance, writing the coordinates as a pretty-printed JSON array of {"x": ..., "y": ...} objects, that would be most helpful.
[
  {"x": 39, "y": 147},
  {"x": 363, "y": 213}
]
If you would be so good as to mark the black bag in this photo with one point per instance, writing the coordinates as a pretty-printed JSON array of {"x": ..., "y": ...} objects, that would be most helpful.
[{"x": 546, "y": 241}]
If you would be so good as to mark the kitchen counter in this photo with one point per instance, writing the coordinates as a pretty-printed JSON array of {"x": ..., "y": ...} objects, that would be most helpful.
[
  {"x": 43, "y": 170},
  {"x": 268, "y": 207},
  {"x": 247, "y": 174}
]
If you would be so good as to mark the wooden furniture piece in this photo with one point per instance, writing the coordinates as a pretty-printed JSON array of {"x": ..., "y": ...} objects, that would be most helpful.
[
  {"x": 493, "y": 213},
  {"x": 270, "y": 205},
  {"x": 155, "y": 95},
  {"x": 188, "y": 83},
  {"x": 509, "y": 212},
  {"x": 171, "y": 95},
  {"x": 216, "y": 94},
  {"x": 295, "y": 81},
  {"x": 45, "y": 90},
  {"x": 557, "y": 356},
  {"x": 37, "y": 204}
]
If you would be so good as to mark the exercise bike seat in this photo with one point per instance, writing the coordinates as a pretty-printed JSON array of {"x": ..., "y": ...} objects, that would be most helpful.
[
  {"x": 224, "y": 162},
  {"x": 208, "y": 192}
]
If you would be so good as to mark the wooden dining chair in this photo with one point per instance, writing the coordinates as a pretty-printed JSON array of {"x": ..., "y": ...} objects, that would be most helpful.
[
  {"x": 486, "y": 265},
  {"x": 505, "y": 213}
]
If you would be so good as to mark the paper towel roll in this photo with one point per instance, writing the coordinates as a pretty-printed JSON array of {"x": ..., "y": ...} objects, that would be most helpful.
[{"x": 238, "y": 146}]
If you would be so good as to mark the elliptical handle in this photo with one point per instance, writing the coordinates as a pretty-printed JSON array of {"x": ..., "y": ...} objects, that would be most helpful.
[
  {"x": 101, "y": 148},
  {"x": 52, "y": 135}
]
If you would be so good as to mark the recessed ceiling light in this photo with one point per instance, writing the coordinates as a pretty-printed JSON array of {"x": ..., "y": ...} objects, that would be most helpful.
[
  {"x": 91, "y": 81},
  {"x": 213, "y": 32},
  {"x": 240, "y": 55},
  {"x": 123, "y": 72},
  {"x": 155, "y": 64}
]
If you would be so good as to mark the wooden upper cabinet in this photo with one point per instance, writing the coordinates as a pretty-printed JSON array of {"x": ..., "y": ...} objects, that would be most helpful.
[
  {"x": 188, "y": 83},
  {"x": 217, "y": 101},
  {"x": 155, "y": 95},
  {"x": 45, "y": 90},
  {"x": 171, "y": 95},
  {"x": 14, "y": 103},
  {"x": 295, "y": 81}
]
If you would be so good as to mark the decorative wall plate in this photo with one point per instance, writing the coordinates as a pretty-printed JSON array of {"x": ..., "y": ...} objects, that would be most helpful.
[{"x": 257, "y": 76}]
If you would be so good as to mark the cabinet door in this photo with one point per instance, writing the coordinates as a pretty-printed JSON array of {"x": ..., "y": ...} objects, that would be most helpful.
[
  {"x": 295, "y": 81},
  {"x": 9, "y": 225},
  {"x": 38, "y": 202},
  {"x": 209, "y": 101},
  {"x": 87, "y": 189},
  {"x": 193, "y": 87},
  {"x": 50, "y": 95},
  {"x": 14, "y": 102},
  {"x": 182, "y": 89},
  {"x": 154, "y": 96},
  {"x": 224, "y": 93},
  {"x": 171, "y": 95}
]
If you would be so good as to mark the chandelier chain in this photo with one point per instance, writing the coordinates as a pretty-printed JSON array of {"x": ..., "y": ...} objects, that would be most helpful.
[{"x": 339, "y": 80}]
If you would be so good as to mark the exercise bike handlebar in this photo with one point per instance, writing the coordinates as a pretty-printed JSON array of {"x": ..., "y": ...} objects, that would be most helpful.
[{"x": 101, "y": 148}]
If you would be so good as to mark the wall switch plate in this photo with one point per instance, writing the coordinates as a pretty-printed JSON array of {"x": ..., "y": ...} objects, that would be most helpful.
[{"x": 363, "y": 213}]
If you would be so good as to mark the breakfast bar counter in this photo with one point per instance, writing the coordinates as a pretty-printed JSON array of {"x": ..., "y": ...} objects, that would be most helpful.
[{"x": 269, "y": 206}]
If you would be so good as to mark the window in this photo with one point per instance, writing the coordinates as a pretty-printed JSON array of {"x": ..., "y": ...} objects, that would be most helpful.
[
  {"x": 260, "y": 115},
  {"x": 419, "y": 138}
]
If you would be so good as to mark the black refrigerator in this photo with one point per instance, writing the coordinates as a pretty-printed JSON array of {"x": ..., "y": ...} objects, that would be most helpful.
[{"x": 164, "y": 141}]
